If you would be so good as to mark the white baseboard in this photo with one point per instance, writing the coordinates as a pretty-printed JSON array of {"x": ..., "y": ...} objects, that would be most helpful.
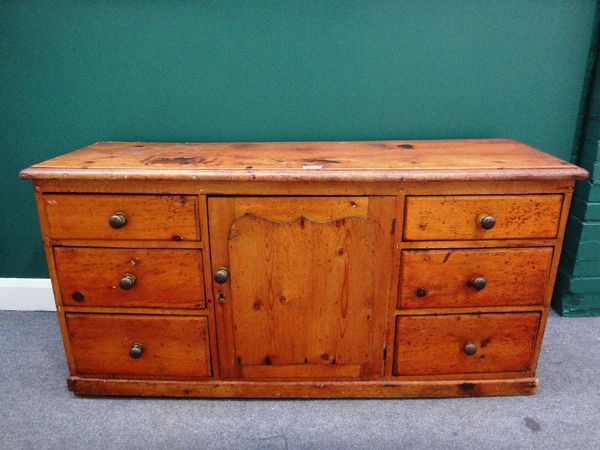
[{"x": 26, "y": 294}]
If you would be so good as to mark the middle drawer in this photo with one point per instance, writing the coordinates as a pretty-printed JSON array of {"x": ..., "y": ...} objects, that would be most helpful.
[
  {"x": 168, "y": 278},
  {"x": 474, "y": 277}
]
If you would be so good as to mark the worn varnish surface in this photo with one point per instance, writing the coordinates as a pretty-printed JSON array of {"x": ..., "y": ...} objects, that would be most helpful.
[
  {"x": 326, "y": 245},
  {"x": 444, "y": 277},
  {"x": 427, "y": 345},
  {"x": 163, "y": 277},
  {"x": 477, "y": 159},
  {"x": 174, "y": 346}
]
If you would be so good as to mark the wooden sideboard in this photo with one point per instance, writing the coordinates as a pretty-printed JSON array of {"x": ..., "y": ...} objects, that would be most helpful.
[{"x": 303, "y": 269}]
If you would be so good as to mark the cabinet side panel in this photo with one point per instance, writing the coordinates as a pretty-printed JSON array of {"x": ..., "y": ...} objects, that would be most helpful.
[{"x": 43, "y": 218}]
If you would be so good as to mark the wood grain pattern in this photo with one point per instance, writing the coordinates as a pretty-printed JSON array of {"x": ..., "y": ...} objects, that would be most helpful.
[
  {"x": 564, "y": 218},
  {"x": 126, "y": 243},
  {"x": 85, "y": 216},
  {"x": 208, "y": 280},
  {"x": 476, "y": 159},
  {"x": 298, "y": 389},
  {"x": 302, "y": 371},
  {"x": 324, "y": 209},
  {"x": 163, "y": 277},
  {"x": 468, "y": 310},
  {"x": 45, "y": 229},
  {"x": 324, "y": 242},
  {"x": 287, "y": 311},
  {"x": 455, "y": 217},
  {"x": 305, "y": 292},
  {"x": 174, "y": 346},
  {"x": 303, "y": 188},
  {"x": 136, "y": 310},
  {"x": 513, "y": 277},
  {"x": 435, "y": 344}
]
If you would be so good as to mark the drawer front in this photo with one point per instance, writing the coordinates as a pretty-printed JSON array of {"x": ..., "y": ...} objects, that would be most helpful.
[
  {"x": 160, "y": 217},
  {"x": 130, "y": 277},
  {"x": 482, "y": 217},
  {"x": 474, "y": 277},
  {"x": 465, "y": 343},
  {"x": 139, "y": 346}
]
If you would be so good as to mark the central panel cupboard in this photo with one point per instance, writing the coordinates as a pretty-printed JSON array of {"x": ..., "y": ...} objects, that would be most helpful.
[{"x": 305, "y": 285}]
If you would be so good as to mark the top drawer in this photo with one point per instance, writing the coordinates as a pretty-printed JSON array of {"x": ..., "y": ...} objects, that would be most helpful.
[
  {"x": 481, "y": 217},
  {"x": 87, "y": 216}
]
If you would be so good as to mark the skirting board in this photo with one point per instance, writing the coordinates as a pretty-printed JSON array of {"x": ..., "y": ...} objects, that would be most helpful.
[{"x": 26, "y": 294}]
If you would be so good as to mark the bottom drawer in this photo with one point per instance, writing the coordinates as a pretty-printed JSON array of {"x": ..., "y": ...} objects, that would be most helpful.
[
  {"x": 139, "y": 345},
  {"x": 465, "y": 343}
]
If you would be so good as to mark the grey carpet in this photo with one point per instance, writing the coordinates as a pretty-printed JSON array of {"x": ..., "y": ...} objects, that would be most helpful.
[{"x": 37, "y": 411}]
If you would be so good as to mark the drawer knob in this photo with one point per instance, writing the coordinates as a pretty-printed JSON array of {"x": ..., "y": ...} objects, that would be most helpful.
[
  {"x": 136, "y": 350},
  {"x": 78, "y": 296},
  {"x": 478, "y": 283},
  {"x": 420, "y": 292},
  {"x": 470, "y": 349},
  {"x": 117, "y": 220},
  {"x": 221, "y": 275},
  {"x": 486, "y": 221},
  {"x": 127, "y": 282}
]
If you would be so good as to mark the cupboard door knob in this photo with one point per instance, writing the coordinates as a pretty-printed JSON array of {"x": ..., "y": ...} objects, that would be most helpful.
[
  {"x": 136, "y": 350},
  {"x": 486, "y": 221},
  {"x": 478, "y": 283},
  {"x": 117, "y": 220},
  {"x": 420, "y": 292},
  {"x": 127, "y": 282},
  {"x": 470, "y": 349},
  {"x": 221, "y": 275}
]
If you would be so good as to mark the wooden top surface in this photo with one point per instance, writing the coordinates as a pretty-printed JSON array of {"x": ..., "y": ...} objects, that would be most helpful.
[{"x": 442, "y": 160}]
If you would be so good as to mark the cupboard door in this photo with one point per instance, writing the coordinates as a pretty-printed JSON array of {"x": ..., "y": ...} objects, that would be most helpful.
[{"x": 307, "y": 288}]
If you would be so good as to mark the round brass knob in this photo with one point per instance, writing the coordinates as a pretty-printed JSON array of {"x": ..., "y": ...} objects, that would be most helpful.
[
  {"x": 117, "y": 220},
  {"x": 127, "y": 282},
  {"x": 221, "y": 275},
  {"x": 420, "y": 292},
  {"x": 486, "y": 221},
  {"x": 136, "y": 350},
  {"x": 478, "y": 283},
  {"x": 470, "y": 349}
]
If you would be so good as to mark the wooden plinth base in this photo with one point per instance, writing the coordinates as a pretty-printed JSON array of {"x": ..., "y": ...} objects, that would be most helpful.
[{"x": 302, "y": 389}]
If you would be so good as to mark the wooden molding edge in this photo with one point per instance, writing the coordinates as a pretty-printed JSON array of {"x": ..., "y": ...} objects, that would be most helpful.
[
  {"x": 368, "y": 175},
  {"x": 302, "y": 389}
]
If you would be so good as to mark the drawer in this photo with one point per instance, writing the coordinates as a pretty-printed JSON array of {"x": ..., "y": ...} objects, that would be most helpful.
[
  {"x": 139, "y": 346},
  {"x": 465, "y": 343},
  {"x": 159, "y": 217},
  {"x": 481, "y": 217},
  {"x": 474, "y": 277},
  {"x": 166, "y": 278}
]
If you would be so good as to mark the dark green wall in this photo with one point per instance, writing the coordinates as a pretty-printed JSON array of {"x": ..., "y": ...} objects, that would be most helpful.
[
  {"x": 289, "y": 70},
  {"x": 577, "y": 291}
]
